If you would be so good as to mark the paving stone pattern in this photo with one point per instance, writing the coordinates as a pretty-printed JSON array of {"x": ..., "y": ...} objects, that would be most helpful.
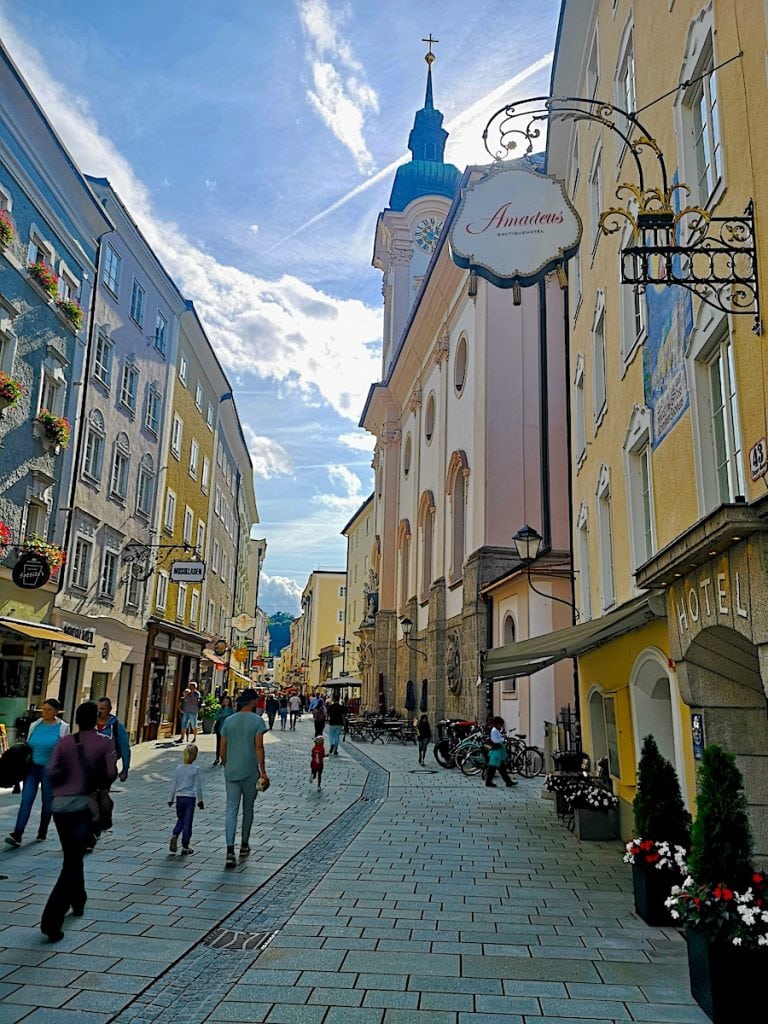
[{"x": 428, "y": 899}]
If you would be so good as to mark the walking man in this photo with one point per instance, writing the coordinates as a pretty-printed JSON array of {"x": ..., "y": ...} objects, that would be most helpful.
[
  {"x": 294, "y": 706},
  {"x": 335, "y": 713},
  {"x": 271, "y": 709},
  {"x": 242, "y": 754},
  {"x": 111, "y": 728},
  {"x": 190, "y": 709}
]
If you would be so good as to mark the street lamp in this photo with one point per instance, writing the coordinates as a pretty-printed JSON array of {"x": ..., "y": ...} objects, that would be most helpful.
[
  {"x": 407, "y": 627},
  {"x": 528, "y": 543}
]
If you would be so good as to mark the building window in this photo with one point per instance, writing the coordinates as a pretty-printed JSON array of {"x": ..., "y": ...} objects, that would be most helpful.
[
  {"x": 129, "y": 387},
  {"x": 68, "y": 287},
  {"x": 183, "y": 369},
  {"x": 596, "y": 195},
  {"x": 178, "y": 428},
  {"x": 194, "y": 607},
  {"x": 598, "y": 358},
  {"x": 215, "y": 557},
  {"x": 80, "y": 572},
  {"x": 108, "y": 578},
  {"x": 209, "y": 417},
  {"x": 161, "y": 333},
  {"x": 102, "y": 359},
  {"x": 145, "y": 488},
  {"x": 625, "y": 87},
  {"x": 39, "y": 251},
  {"x": 509, "y": 631},
  {"x": 134, "y": 594},
  {"x": 189, "y": 519},
  {"x": 637, "y": 448},
  {"x": 405, "y": 566},
  {"x": 605, "y": 529},
  {"x": 121, "y": 460},
  {"x": 36, "y": 519},
  {"x": 633, "y": 316},
  {"x": 169, "y": 518},
  {"x": 93, "y": 456},
  {"x": 407, "y": 456},
  {"x": 602, "y": 722},
  {"x": 138, "y": 296},
  {"x": 702, "y": 128},
  {"x": 200, "y": 541},
  {"x": 426, "y": 521},
  {"x": 154, "y": 400},
  {"x": 161, "y": 594},
  {"x": 194, "y": 458},
  {"x": 110, "y": 274},
  {"x": 206, "y": 475},
  {"x": 181, "y": 602},
  {"x": 726, "y": 434},
  {"x": 217, "y": 501},
  {"x": 574, "y": 283},
  {"x": 580, "y": 432},
  {"x": 429, "y": 418},
  {"x": 457, "y": 490},
  {"x": 199, "y": 396},
  {"x": 592, "y": 72},
  {"x": 460, "y": 365},
  {"x": 210, "y": 617},
  {"x": 584, "y": 577}
]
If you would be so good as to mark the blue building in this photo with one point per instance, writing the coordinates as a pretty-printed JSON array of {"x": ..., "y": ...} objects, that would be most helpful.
[{"x": 50, "y": 226}]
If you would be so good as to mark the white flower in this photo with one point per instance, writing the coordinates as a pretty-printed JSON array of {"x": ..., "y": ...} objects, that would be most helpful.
[{"x": 737, "y": 940}]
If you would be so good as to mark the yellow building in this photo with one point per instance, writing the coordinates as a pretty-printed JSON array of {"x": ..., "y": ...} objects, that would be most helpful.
[
  {"x": 668, "y": 395},
  {"x": 322, "y": 621},
  {"x": 361, "y": 588}
]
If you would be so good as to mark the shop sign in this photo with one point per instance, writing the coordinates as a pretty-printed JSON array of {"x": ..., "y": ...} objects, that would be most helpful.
[
  {"x": 185, "y": 647},
  {"x": 79, "y": 632},
  {"x": 243, "y": 622},
  {"x": 709, "y": 598},
  {"x": 37, "y": 684},
  {"x": 220, "y": 648},
  {"x": 758, "y": 459},
  {"x": 697, "y": 735},
  {"x": 163, "y": 641},
  {"x": 514, "y": 226},
  {"x": 31, "y": 571},
  {"x": 187, "y": 572}
]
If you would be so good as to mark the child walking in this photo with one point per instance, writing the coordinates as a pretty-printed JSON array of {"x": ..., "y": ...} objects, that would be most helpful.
[
  {"x": 424, "y": 732},
  {"x": 187, "y": 784},
  {"x": 318, "y": 759}
]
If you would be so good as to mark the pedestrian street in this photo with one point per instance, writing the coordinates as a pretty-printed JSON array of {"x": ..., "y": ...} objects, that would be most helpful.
[{"x": 394, "y": 895}]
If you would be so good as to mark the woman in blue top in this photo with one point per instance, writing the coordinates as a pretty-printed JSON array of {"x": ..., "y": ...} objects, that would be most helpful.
[
  {"x": 43, "y": 736},
  {"x": 225, "y": 710}
]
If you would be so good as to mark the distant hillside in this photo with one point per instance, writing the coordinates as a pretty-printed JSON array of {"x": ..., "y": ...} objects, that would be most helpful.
[{"x": 279, "y": 631}]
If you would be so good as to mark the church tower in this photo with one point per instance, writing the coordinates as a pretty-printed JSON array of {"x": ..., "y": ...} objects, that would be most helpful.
[{"x": 408, "y": 230}]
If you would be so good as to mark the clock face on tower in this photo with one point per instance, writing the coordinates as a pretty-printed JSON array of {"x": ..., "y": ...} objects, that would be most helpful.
[{"x": 428, "y": 232}]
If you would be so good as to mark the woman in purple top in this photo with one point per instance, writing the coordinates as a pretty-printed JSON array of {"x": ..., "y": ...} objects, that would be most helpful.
[{"x": 80, "y": 764}]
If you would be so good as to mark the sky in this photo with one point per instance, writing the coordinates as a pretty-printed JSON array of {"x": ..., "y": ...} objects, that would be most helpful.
[{"x": 255, "y": 143}]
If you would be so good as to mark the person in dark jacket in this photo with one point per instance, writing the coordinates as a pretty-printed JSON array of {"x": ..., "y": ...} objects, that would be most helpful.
[
  {"x": 271, "y": 709},
  {"x": 424, "y": 733},
  {"x": 79, "y": 765}
]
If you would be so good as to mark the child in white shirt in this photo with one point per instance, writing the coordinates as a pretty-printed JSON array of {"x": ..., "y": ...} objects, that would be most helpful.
[{"x": 187, "y": 784}]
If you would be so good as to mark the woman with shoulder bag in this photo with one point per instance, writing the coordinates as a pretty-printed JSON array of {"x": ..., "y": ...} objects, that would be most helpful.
[
  {"x": 80, "y": 766},
  {"x": 43, "y": 736}
]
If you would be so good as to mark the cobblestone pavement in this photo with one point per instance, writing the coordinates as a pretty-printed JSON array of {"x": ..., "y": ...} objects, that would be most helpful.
[{"x": 394, "y": 896}]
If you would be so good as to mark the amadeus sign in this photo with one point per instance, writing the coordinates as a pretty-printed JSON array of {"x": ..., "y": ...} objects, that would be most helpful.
[{"x": 513, "y": 226}]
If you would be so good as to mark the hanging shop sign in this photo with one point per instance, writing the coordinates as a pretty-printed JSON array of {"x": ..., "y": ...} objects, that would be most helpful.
[
  {"x": 220, "y": 648},
  {"x": 187, "y": 572},
  {"x": 31, "y": 571},
  {"x": 243, "y": 622},
  {"x": 514, "y": 226}
]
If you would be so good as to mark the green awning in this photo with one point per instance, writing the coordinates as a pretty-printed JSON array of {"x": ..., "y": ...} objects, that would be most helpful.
[{"x": 538, "y": 652}]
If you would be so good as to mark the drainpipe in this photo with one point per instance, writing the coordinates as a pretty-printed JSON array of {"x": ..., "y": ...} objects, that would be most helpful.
[
  {"x": 571, "y": 518},
  {"x": 546, "y": 514}
]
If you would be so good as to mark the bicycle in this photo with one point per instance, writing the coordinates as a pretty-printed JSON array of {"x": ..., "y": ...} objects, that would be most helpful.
[
  {"x": 451, "y": 731},
  {"x": 526, "y": 761}
]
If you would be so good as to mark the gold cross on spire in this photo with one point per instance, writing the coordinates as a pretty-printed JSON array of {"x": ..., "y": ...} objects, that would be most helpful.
[{"x": 430, "y": 57}]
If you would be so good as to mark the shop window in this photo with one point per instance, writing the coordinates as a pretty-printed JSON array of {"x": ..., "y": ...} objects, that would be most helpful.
[{"x": 15, "y": 672}]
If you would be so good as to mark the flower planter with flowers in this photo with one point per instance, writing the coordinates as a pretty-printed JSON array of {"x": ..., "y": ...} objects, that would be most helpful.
[
  {"x": 72, "y": 311},
  {"x": 5, "y": 538},
  {"x": 56, "y": 429},
  {"x": 54, "y": 555},
  {"x": 658, "y": 863},
  {"x": 723, "y": 903},
  {"x": 588, "y": 801},
  {"x": 7, "y": 229},
  {"x": 44, "y": 277},
  {"x": 11, "y": 391}
]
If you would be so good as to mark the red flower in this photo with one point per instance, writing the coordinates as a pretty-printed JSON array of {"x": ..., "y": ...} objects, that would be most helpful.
[
  {"x": 646, "y": 844},
  {"x": 651, "y": 858},
  {"x": 697, "y": 901},
  {"x": 758, "y": 879},
  {"x": 727, "y": 894}
]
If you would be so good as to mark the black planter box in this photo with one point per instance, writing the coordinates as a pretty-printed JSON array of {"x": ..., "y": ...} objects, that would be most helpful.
[
  {"x": 568, "y": 760},
  {"x": 594, "y": 823},
  {"x": 728, "y": 983},
  {"x": 652, "y": 887}
]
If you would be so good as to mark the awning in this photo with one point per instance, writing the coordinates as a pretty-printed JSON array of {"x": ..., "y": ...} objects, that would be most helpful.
[
  {"x": 343, "y": 681},
  {"x": 217, "y": 661},
  {"x": 538, "y": 652},
  {"x": 37, "y": 632}
]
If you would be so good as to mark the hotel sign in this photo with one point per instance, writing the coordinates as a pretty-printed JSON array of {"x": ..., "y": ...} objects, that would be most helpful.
[{"x": 514, "y": 226}]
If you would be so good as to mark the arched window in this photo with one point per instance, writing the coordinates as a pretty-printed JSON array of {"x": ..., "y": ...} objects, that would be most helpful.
[
  {"x": 121, "y": 461},
  {"x": 429, "y": 418},
  {"x": 458, "y": 471},
  {"x": 407, "y": 456},
  {"x": 602, "y": 726},
  {"x": 426, "y": 522},
  {"x": 509, "y": 629},
  {"x": 405, "y": 560},
  {"x": 460, "y": 365}
]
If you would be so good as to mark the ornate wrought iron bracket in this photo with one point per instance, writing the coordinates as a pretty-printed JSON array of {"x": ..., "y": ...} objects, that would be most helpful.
[
  {"x": 139, "y": 556},
  {"x": 715, "y": 258}
]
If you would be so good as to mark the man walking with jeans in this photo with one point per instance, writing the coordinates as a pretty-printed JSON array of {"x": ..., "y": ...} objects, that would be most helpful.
[{"x": 242, "y": 754}]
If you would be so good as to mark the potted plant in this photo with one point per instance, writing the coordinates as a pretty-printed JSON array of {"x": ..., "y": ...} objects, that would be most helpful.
[
  {"x": 45, "y": 277},
  {"x": 54, "y": 555},
  {"x": 588, "y": 799},
  {"x": 55, "y": 428},
  {"x": 73, "y": 312},
  {"x": 722, "y": 902},
  {"x": 7, "y": 229},
  {"x": 208, "y": 712},
  {"x": 11, "y": 391},
  {"x": 663, "y": 828},
  {"x": 5, "y": 537}
]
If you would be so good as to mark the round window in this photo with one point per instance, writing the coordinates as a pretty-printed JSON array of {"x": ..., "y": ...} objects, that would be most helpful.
[
  {"x": 429, "y": 419},
  {"x": 407, "y": 456},
  {"x": 460, "y": 365}
]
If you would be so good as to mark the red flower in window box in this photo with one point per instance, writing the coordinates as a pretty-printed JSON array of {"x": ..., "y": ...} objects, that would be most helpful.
[
  {"x": 7, "y": 229},
  {"x": 73, "y": 311},
  {"x": 45, "y": 277},
  {"x": 57, "y": 428}
]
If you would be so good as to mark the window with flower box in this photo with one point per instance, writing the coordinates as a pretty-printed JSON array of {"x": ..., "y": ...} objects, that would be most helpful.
[
  {"x": 161, "y": 333},
  {"x": 39, "y": 251},
  {"x": 51, "y": 393},
  {"x": 138, "y": 296},
  {"x": 129, "y": 387},
  {"x": 68, "y": 287},
  {"x": 110, "y": 271},
  {"x": 102, "y": 359}
]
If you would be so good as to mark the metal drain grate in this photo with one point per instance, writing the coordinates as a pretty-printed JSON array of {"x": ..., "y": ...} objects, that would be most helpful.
[{"x": 228, "y": 938}]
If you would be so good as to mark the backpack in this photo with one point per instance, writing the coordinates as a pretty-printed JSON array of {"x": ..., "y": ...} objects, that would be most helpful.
[{"x": 14, "y": 764}]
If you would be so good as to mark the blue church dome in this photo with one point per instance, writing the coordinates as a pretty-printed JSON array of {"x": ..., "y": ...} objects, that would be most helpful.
[{"x": 427, "y": 174}]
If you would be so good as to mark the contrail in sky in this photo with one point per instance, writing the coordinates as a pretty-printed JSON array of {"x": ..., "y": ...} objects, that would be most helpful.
[{"x": 499, "y": 94}]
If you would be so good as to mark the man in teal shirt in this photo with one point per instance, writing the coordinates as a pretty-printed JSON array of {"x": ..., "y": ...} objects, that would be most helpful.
[{"x": 242, "y": 754}]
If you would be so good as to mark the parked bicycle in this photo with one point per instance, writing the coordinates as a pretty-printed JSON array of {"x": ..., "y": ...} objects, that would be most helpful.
[
  {"x": 450, "y": 733},
  {"x": 471, "y": 755}
]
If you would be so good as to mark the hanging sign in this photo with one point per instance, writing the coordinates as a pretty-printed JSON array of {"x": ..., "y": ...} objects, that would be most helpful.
[
  {"x": 243, "y": 622},
  {"x": 220, "y": 648},
  {"x": 513, "y": 226},
  {"x": 31, "y": 571},
  {"x": 187, "y": 572}
]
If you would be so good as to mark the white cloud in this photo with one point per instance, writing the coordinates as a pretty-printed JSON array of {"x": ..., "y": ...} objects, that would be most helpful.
[
  {"x": 352, "y": 486},
  {"x": 358, "y": 441},
  {"x": 212, "y": 186},
  {"x": 269, "y": 458},
  {"x": 339, "y": 93},
  {"x": 285, "y": 330},
  {"x": 254, "y": 229},
  {"x": 279, "y": 594}
]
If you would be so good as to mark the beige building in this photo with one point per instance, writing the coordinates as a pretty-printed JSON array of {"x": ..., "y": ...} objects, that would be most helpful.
[
  {"x": 322, "y": 621},
  {"x": 357, "y": 657}
]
